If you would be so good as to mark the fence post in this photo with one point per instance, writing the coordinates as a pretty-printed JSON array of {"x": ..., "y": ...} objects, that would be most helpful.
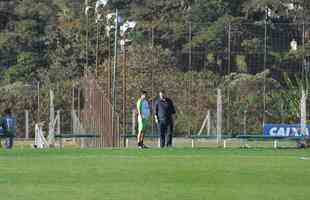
[
  {"x": 51, "y": 130},
  {"x": 265, "y": 67},
  {"x": 244, "y": 122},
  {"x": 57, "y": 120},
  {"x": 303, "y": 112},
  {"x": 58, "y": 124},
  {"x": 209, "y": 123},
  {"x": 26, "y": 124},
  {"x": 134, "y": 114},
  {"x": 219, "y": 117},
  {"x": 229, "y": 71}
]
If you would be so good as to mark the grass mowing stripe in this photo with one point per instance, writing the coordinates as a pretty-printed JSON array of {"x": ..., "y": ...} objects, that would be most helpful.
[{"x": 154, "y": 174}]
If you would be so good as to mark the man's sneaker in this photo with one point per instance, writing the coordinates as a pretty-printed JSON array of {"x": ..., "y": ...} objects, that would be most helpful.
[{"x": 140, "y": 147}]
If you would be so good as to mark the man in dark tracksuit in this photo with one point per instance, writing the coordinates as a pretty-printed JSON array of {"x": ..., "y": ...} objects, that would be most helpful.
[
  {"x": 8, "y": 124},
  {"x": 164, "y": 111}
]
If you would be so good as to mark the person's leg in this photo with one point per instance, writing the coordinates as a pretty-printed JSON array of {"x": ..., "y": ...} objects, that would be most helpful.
[
  {"x": 169, "y": 134},
  {"x": 145, "y": 124},
  {"x": 6, "y": 143},
  {"x": 163, "y": 132},
  {"x": 140, "y": 133},
  {"x": 9, "y": 142},
  {"x": 139, "y": 139}
]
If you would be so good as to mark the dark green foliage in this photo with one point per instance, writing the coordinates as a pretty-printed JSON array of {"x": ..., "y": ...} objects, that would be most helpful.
[{"x": 45, "y": 41}]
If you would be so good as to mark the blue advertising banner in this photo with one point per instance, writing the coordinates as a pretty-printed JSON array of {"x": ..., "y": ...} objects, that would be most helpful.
[{"x": 284, "y": 130}]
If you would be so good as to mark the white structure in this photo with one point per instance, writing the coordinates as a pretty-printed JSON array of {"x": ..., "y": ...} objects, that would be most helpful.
[
  {"x": 100, "y": 3},
  {"x": 54, "y": 121},
  {"x": 293, "y": 45},
  {"x": 127, "y": 26},
  {"x": 111, "y": 20},
  {"x": 39, "y": 141},
  {"x": 206, "y": 122}
]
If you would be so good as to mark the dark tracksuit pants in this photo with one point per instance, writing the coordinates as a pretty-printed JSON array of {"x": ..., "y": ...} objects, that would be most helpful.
[
  {"x": 166, "y": 131},
  {"x": 9, "y": 142}
]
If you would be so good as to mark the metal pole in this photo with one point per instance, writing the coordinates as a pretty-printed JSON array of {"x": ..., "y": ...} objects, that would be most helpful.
[
  {"x": 72, "y": 111},
  {"x": 58, "y": 120},
  {"x": 152, "y": 78},
  {"x": 114, "y": 73},
  {"x": 219, "y": 117},
  {"x": 190, "y": 47},
  {"x": 86, "y": 45},
  {"x": 79, "y": 103},
  {"x": 134, "y": 114},
  {"x": 229, "y": 48},
  {"x": 303, "y": 112},
  {"x": 73, "y": 98},
  {"x": 229, "y": 68},
  {"x": 303, "y": 56},
  {"x": 26, "y": 124},
  {"x": 124, "y": 94},
  {"x": 244, "y": 122},
  {"x": 209, "y": 123},
  {"x": 97, "y": 48},
  {"x": 110, "y": 72},
  {"x": 265, "y": 63},
  {"x": 38, "y": 101},
  {"x": 189, "y": 69}
]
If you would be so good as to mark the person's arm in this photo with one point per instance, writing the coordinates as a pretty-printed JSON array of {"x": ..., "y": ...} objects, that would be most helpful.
[
  {"x": 171, "y": 107},
  {"x": 139, "y": 107},
  {"x": 172, "y": 110}
]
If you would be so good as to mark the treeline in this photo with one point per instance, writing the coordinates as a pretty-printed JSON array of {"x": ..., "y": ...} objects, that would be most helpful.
[{"x": 178, "y": 45}]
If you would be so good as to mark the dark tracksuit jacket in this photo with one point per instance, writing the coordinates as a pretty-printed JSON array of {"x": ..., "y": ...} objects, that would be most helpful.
[{"x": 164, "y": 109}]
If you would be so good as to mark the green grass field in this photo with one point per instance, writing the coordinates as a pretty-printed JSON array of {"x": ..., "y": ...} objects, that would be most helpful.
[{"x": 154, "y": 174}]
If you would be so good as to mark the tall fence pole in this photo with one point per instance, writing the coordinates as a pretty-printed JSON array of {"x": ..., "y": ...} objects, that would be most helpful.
[
  {"x": 97, "y": 48},
  {"x": 229, "y": 49},
  {"x": 38, "y": 102},
  {"x": 26, "y": 124},
  {"x": 303, "y": 112},
  {"x": 304, "y": 60},
  {"x": 189, "y": 69},
  {"x": 73, "y": 111},
  {"x": 219, "y": 117},
  {"x": 244, "y": 122},
  {"x": 125, "y": 95},
  {"x": 51, "y": 124},
  {"x": 152, "y": 76},
  {"x": 114, "y": 75},
  {"x": 109, "y": 81},
  {"x": 86, "y": 40},
  {"x": 265, "y": 67},
  {"x": 134, "y": 120},
  {"x": 59, "y": 121},
  {"x": 209, "y": 123},
  {"x": 229, "y": 71}
]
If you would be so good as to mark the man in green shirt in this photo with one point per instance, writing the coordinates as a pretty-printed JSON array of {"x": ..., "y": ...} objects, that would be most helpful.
[{"x": 144, "y": 113}]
